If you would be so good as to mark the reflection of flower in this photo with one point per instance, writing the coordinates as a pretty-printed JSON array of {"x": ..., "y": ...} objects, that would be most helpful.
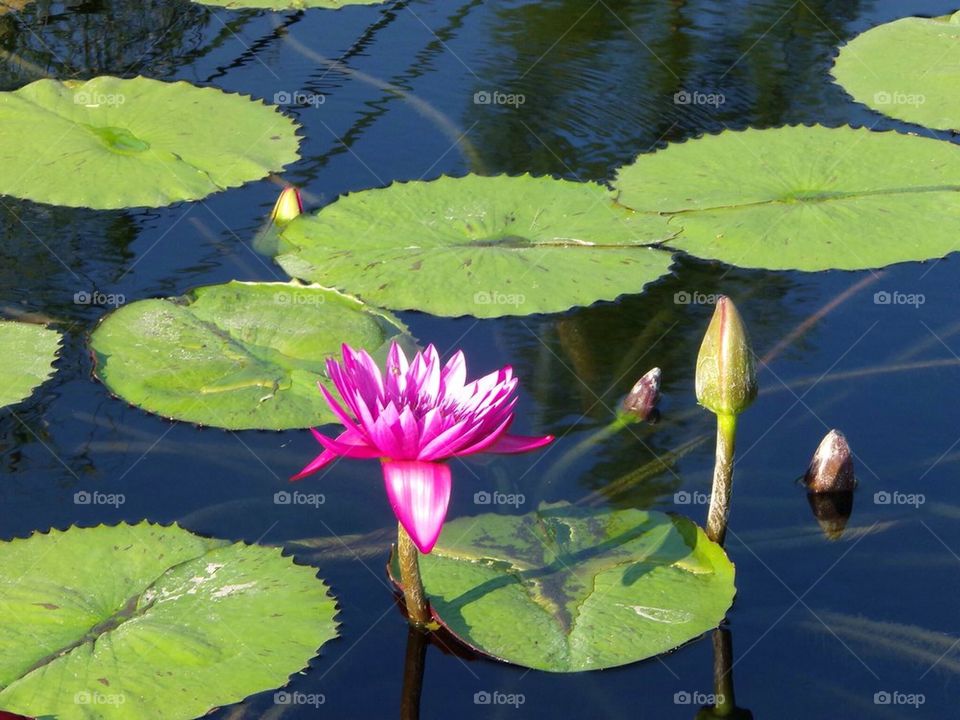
[{"x": 414, "y": 418}]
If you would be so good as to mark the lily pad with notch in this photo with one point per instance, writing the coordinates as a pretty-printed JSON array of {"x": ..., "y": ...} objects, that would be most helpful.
[
  {"x": 567, "y": 589},
  {"x": 147, "y": 622},
  {"x": 239, "y": 355},
  {"x": 908, "y": 69},
  {"x": 114, "y": 143},
  {"x": 481, "y": 246},
  {"x": 803, "y": 198}
]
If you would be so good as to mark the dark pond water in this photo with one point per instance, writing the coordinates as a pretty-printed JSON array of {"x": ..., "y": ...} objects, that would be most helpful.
[{"x": 818, "y": 627}]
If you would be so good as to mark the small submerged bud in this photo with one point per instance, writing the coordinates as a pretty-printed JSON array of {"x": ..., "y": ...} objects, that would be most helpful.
[
  {"x": 288, "y": 206},
  {"x": 726, "y": 380},
  {"x": 831, "y": 469},
  {"x": 641, "y": 403}
]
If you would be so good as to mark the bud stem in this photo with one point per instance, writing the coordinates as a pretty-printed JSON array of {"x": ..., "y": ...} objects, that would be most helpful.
[
  {"x": 719, "y": 510},
  {"x": 418, "y": 609}
]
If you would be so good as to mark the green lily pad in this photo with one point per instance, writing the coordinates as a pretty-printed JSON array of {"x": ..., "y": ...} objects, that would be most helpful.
[
  {"x": 287, "y": 4},
  {"x": 908, "y": 69},
  {"x": 236, "y": 356},
  {"x": 150, "y": 622},
  {"x": 27, "y": 353},
  {"x": 481, "y": 246},
  {"x": 565, "y": 589},
  {"x": 804, "y": 198},
  {"x": 112, "y": 143}
]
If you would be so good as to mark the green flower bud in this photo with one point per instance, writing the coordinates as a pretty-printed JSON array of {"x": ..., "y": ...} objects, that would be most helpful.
[
  {"x": 726, "y": 375},
  {"x": 288, "y": 206}
]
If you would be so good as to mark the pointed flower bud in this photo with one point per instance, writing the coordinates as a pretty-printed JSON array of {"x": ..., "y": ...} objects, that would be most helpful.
[
  {"x": 288, "y": 206},
  {"x": 726, "y": 375},
  {"x": 642, "y": 401},
  {"x": 831, "y": 469}
]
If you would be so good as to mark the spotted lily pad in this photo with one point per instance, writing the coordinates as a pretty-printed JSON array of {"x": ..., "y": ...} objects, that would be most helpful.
[
  {"x": 804, "y": 198},
  {"x": 482, "y": 246},
  {"x": 112, "y": 143},
  {"x": 27, "y": 353},
  {"x": 564, "y": 589},
  {"x": 288, "y": 4},
  {"x": 908, "y": 69},
  {"x": 237, "y": 356},
  {"x": 146, "y": 622}
]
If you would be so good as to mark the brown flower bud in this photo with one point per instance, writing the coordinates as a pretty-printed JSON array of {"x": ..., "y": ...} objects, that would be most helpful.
[
  {"x": 831, "y": 469},
  {"x": 642, "y": 401}
]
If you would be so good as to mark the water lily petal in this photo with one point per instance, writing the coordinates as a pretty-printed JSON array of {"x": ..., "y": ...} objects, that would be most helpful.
[
  {"x": 318, "y": 462},
  {"x": 508, "y": 444},
  {"x": 419, "y": 493}
]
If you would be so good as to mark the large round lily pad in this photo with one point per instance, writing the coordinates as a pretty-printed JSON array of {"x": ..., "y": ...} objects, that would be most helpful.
[
  {"x": 27, "y": 353},
  {"x": 288, "y": 4},
  {"x": 148, "y": 622},
  {"x": 112, "y": 143},
  {"x": 908, "y": 69},
  {"x": 804, "y": 198},
  {"x": 482, "y": 246},
  {"x": 566, "y": 589},
  {"x": 237, "y": 356}
]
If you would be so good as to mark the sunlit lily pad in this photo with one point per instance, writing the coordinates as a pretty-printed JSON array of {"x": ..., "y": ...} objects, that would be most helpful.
[
  {"x": 288, "y": 4},
  {"x": 566, "y": 589},
  {"x": 237, "y": 356},
  {"x": 908, "y": 69},
  {"x": 482, "y": 246},
  {"x": 112, "y": 143},
  {"x": 148, "y": 622},
  {"x": 27, "y": 353},
  {"x": 804, "y": 198},
  {"x": 7, "y": 6}
]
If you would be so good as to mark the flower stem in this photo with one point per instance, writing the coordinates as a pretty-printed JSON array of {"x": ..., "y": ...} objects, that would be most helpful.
[
  {"x": 418, "y": 609},
  {"x": 413, "y": 667},
  {"x": 719, "y": 510}
]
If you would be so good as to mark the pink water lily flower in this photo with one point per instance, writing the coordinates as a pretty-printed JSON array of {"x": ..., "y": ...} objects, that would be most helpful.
[{"x": 413, "y": 417}]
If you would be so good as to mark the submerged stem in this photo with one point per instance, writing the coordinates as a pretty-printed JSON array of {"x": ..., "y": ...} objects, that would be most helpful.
[
  {"x": 719, "y": 510},
  {"x": 418, "y": 609}
]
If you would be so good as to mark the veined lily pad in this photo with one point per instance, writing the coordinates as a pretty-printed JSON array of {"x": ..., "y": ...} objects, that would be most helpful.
[
  {"x": 287, "y": 4},
  {"x": 112, "y": 143},
  {"x": 236, "y": 356},
  {"x": 482, "y": 246},
  {"x": 804, "y": 198},
  {"x": 566, "y": 589},
  {"x": 147, "y": 622},
  {"x": 27, "y": 353},
  {"x": 908, "y": 69}
]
